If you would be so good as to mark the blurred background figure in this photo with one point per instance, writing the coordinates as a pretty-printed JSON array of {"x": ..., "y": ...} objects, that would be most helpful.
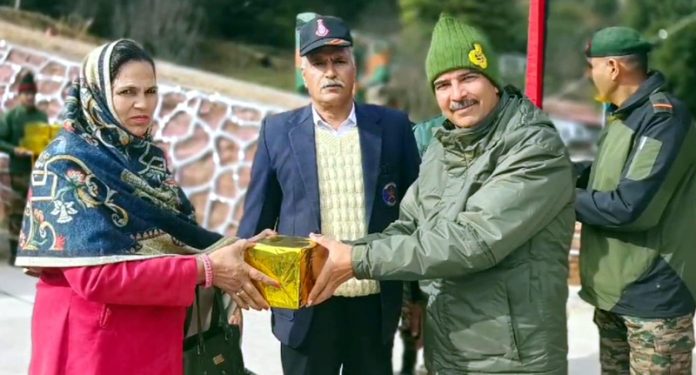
[{"x": 13, "y": 139}]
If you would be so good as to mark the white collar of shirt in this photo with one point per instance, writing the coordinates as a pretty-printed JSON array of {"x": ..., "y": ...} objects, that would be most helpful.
[{"x": 346, "y": 126}]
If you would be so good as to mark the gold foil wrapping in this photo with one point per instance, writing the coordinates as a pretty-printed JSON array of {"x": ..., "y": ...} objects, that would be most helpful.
[
  {"x": 37, "y": 135},
  {"x": 292, "y": 261}
]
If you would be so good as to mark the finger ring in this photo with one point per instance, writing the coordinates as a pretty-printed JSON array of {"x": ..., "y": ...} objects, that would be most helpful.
[{"x": 239, "y": 293}]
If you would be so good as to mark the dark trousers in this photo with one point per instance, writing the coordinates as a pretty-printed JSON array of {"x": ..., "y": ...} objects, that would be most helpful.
[{"x": 345, "y": 333}]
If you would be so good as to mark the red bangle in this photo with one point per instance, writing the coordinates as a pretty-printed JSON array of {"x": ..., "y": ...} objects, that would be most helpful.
[{"x": 208, "y": 269}]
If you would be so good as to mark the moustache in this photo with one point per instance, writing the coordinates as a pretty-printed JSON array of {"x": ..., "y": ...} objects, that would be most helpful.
[
  {"x": 331, "y": 84},
  {"x": 455, "y": 106}
]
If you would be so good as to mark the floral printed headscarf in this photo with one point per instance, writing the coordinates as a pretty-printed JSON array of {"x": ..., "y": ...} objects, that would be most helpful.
[{"x": 98, "y": 193}]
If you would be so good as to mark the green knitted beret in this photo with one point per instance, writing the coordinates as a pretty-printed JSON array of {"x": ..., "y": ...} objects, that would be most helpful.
[
  {"x": 617, "y": 41},
  {"x": 456, "y": 45}
]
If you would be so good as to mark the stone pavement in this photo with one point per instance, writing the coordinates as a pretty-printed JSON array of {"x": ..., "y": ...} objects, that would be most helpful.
[{"x": 261, "y": 350}]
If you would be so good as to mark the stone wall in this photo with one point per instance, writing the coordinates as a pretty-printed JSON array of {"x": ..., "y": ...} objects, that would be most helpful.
[{"x": 210, "y": 138}]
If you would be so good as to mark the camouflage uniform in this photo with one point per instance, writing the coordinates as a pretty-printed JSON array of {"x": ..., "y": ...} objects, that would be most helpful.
[{"x": 640, "y": 346}]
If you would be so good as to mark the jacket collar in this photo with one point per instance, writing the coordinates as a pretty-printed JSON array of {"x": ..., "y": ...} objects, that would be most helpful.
[
  {"x": 348, "y": 123},
  {"x": 655, "y": 82}
]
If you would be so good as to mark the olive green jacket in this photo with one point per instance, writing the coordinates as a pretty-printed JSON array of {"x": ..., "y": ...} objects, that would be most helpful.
[
  {"x": 487, "y": 226},
  {"x": 638, "y": 252}
]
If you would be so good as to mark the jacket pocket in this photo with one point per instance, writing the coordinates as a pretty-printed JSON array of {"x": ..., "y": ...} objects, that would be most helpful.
[
  {"x": 479, "y": 324},
  {"x": 91, "y": 314},
  {"x": 644, "y": 159}
]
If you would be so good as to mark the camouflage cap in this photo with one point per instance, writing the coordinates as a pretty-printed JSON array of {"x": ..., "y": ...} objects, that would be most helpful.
[{"x": 617, "y": 41}]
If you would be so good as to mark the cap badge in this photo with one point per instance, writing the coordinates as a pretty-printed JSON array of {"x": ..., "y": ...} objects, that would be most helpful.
[
  {"x": 477, "y": 57},
  {"x": 321, "y": 29}
]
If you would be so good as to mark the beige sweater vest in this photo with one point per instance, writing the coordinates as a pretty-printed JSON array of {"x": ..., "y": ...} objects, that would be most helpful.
[{"x": 342, "y": 197}]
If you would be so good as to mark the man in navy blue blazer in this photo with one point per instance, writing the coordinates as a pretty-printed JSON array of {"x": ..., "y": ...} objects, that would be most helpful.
[{"x": 338, "y": 168}]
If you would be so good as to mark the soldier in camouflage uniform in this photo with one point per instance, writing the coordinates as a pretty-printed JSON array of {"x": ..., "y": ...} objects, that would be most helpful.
[{"x": 638, "y": 208}]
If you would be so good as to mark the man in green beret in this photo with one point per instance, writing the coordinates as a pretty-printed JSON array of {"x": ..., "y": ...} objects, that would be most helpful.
[
  {"x": 486, "y": 227},
  {"x": 12, "y": 126},
  {"x": 637, "y": 203}
]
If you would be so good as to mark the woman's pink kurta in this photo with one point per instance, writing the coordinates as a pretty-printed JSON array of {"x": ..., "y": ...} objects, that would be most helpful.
[{"x": 122, "y": 318}]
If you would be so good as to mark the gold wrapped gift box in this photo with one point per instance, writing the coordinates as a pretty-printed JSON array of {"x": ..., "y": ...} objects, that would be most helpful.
[
  {"x": 294, "y": 262},
  {"x": 37, "y": 135}
]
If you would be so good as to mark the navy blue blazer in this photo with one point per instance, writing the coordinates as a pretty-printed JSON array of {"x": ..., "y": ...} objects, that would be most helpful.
[{"x": 284, "y": 193}]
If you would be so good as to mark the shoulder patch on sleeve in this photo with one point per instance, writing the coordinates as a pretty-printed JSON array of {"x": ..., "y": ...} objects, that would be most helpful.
[{"x": 660, "y": 103}]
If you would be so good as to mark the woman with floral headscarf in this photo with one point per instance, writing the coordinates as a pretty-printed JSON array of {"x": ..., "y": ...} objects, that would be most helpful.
[{"x": 114, "y": 237}]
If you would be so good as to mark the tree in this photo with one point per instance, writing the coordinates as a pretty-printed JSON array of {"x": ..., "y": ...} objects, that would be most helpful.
[
  {"x": 272, "y": 22},
  {"x": 570, "y": 26},
  {"x": 173, "y": 36},
  {"x": 503, "y": 21},
  {"x": 676, "y": 55}
]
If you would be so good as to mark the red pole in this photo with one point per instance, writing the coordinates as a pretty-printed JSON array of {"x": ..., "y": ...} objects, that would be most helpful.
[{"x": 535, "y": 51}]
